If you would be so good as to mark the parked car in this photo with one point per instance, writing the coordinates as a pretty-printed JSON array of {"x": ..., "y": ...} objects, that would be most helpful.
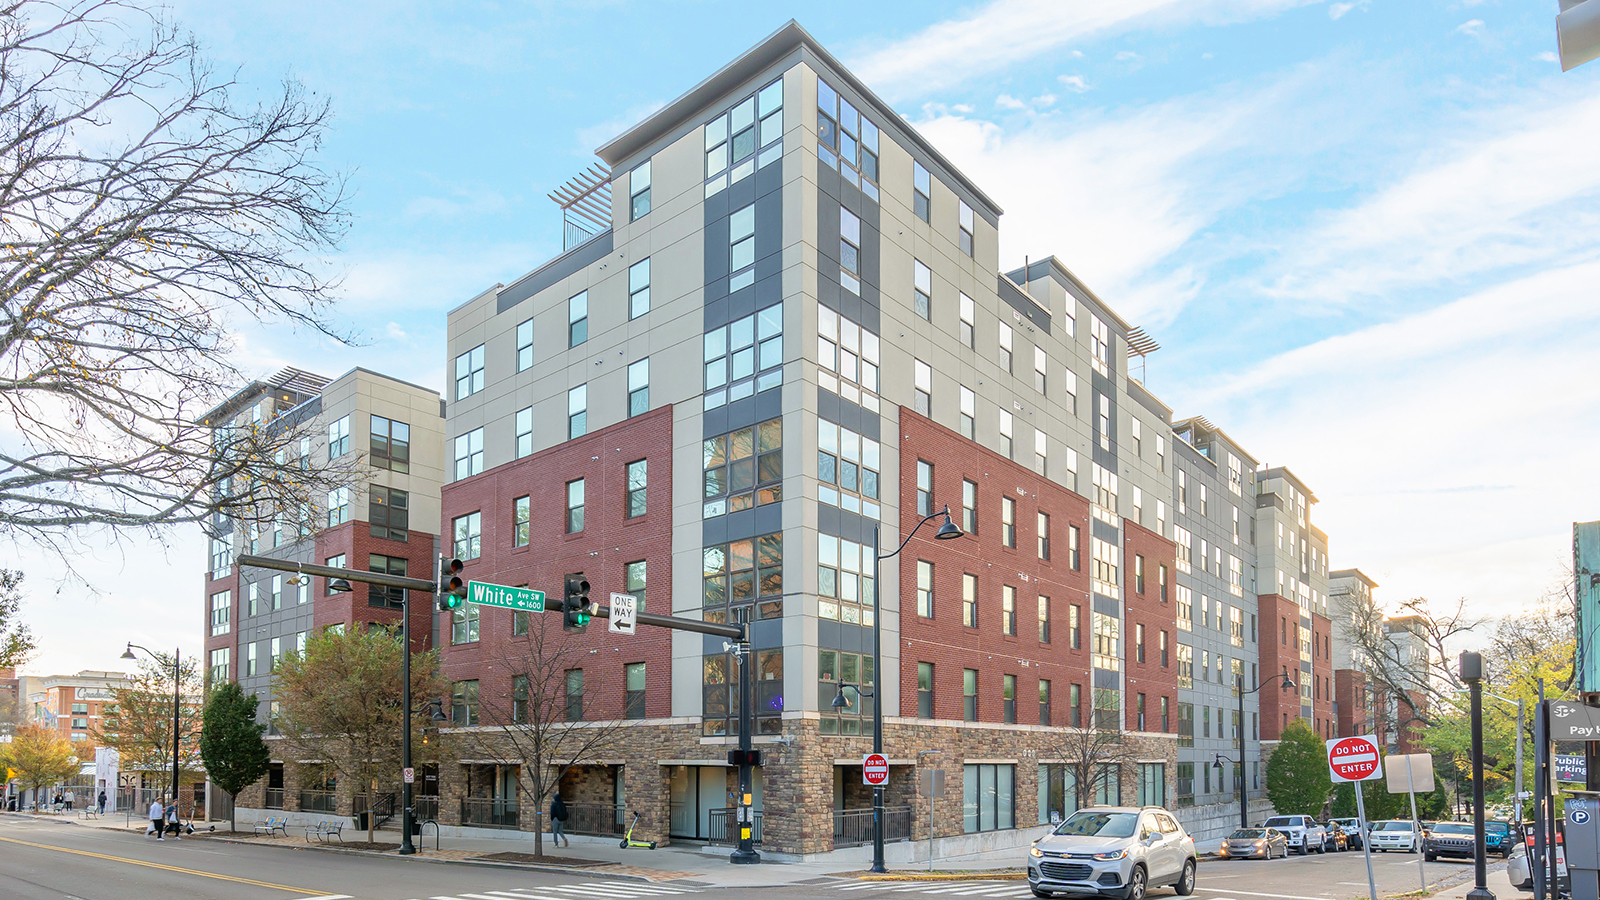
[
  {"x": 1114, "y": 851},
  {"x": 1250, "y": 843},
  {"x": 1304, "y": 834},
  {"x": 1455, "y": 839},
  {"x": 1501, "y": 838},
  {"x": 1396, "y": 834},
  {"x": 1354, "y": 837},
  {"x": 1336, "y": 839},
  {"x": 1520, "y": 872}
]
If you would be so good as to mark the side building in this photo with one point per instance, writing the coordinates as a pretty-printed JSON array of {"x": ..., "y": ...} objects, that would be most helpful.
[{"x": 1292, "y": 593}]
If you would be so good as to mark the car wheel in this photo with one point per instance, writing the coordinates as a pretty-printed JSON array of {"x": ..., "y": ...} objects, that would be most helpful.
[
  {"x": 1429, "y": 857},
  {"x": 1137, "y": 885},
  {"x": 1185, "y": 885}
]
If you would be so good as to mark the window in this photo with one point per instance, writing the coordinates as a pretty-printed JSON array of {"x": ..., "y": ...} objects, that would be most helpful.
[
  {"x": 1185, "y": 671},
  {"x": 920, "y": 191},
  {"x": 221, "y": 612},
  {"x": 1006, "y": 448},
  {"x": 219, "y": 665},
  {"x": 744, "y": 579},
  {"x": 1138, "y": 642},
  {"x": 850, "y": 251},
  {"x": 847, "y": 469},
  {"x": 1104, "y": 564},
  {"x": 965, "y": 237},
  {"x": 1044, "y": 620},
  {"x": 468, "y": 531},
  {"x": 1138, "y": 573},
  {"x": 469, "y": 454},
  {"x": 464, "y": 703},
  {"x": 638, "y": 478},
  {"x": 469, "y": 373},
  {"x": 922, "y": 382},
  {"x": 639, "y": 288},
  {"x": 1008, "y": 521},
  {"x": 1075, "y": 627},
  {"x": 524, "y": 424},
  {"x": 633, "y": 581},
  {"x": 332, "y": 562},
  {"x": 924, "y": 690},
  {"x": 988, "y": 797},
  {"x": 633, "y": 682},
  {"x": 1161, "y": 517},
  {"x": 840, "y": 127},
  {"x": 338, "y": 506},
  {"x": 277, "y": 592},
  {"x": 464, "y": 624},
  {"x": 966, "y": 321},
  {"x": 519, "y": 521},
  {"x": 969, "y": 600},
  {"x": 1103, "y": 422},
  {"x": 1100, "y": 340},
  {"x": 1153, "y": 785},
  {"x": 1139, "y": 712},
  {"x": 849, "y": 354},
  {"x": 574, "y": 695},
  {"x": 388, "y": 512},
  {"x": 250, "y": 667},
  {"x": 577, "y": 319},
  {"x": 924, "y": 589},
  {"x": 1075, "y": 547},
  {"x": 1203, "y": 503},
  {"x": 1164, "y": 701},
  {"x": 1008, "y": 610},
  {"x": 221, "y": 555},
  {"x": 1040, "y": 364},
  {"x": 1136, "y": 428},
  {"x": 924, "y": 488},
  {"x": 1044, "y": 535},
  {"x": 969, "y": 406},
  {"x": 1008, "y": 698},
  {"x": 922, "y": 289},
  {"x": 578, "y": 412},
  {"x": 339, "y": 438},
  {"x": 391, "y": 445},
  {"x": 744, "y": 357},
  {"x": 844, "y": 580},
  {"x": 1075, "y": 701},
  {"x": 743, "y": 469},
  {"x": 639, "y": 190},
  {"x": 1105, "y": 494},
  {"x": 1161, "y": 580},
  {"x": 1044, "y": 701},
  {"x": 1106, "y": 650},
  {"x": 1163, "y": 651},
  {"x": 524, "y": 345},
  {"x": 742, "y": 248},
  {"x": 969, "y": 695},
  {"x": 378, "y": 594},
  {"x": 575, "y": 506},
  {"x": 639, "y": 387},
  {"x": 969, "y": 506}
]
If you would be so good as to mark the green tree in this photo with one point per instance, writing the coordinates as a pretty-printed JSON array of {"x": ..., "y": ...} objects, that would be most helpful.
[
  {"x": 230, "y": 740},
  {"x": 41, "y": 757},
  {"x": 138, "y": 724},
  {"x": 16, "y": 642},
  {"x": 1298, "y": 782}
]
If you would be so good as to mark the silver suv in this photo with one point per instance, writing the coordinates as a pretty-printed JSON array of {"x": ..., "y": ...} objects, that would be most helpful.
[
  {"x": 1305, "y": 834},
  {"x": 1113, "y": 851}
]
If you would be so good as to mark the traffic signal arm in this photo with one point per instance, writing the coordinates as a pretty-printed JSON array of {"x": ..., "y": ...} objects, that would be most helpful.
[
  {"x": 378, "y": 578},
  {"x": 677, "y": 623}
]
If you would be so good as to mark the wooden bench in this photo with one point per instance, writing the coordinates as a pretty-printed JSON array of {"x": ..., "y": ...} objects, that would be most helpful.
[
  {"x": 326, "y": 829},
  {"x": 274, "y": 824}
]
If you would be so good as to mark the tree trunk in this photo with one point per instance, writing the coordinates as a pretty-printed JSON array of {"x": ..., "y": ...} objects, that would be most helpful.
[{"x": 372, "y": 796}]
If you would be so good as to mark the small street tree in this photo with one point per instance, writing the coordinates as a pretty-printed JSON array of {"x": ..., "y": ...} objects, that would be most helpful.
[
  {"x": 1298, "y": 782},
  {"x": 535, "y": 721},
  {"x": 16, "y": 642},
  {"x": 138, "y": 723},
  {"x": 230, "y": 742},
  {"x": 339, "y": 702},
  {"x": 1090, "y": 754},
  {"x": 41, "y": 757}
]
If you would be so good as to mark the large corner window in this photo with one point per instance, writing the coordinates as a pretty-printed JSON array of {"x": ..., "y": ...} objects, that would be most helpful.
[
  {"x": 834, "y": 668},
  {"x": 746, "y": 137},
  {"x": 391, "y": 445},
  {"x": 847, "y": 469},
  {"x": 469, "y": 454},
  {"x": 744, "y": 357},
  {"x": 849, "y": 357},
  {"x": 743, "y": 577},
  {"x": 844, "y": 580},
  {"x": 469, "y": 373},
  {"x": 389, "y": 513},
  {"x": 743, "y": 469},
  {"x": 846, "y": 140},
  {"x": 742, "y": 248}
]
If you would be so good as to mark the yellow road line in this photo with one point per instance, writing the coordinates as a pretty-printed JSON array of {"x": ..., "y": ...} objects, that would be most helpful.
[{"x": 152, "y": 865}]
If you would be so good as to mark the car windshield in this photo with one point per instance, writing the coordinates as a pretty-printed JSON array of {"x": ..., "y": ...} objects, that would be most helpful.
[
  {"x": 1281, "y": 822},
  {"x": 1100, "y": 824},
  {"x": 1452, "y": 828},
  {"x": 1394, "y": 825},
  {"x": 1496, "y": 827},
  {"x": 1247, "y": 834}
]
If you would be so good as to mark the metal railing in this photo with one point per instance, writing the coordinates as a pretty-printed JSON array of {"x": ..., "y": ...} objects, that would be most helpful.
[
  {"x": 382, "y": 809},
  {"x": 487, "y": 812},
  {"x": 273, "y": 798},
  {"x": 318, "y": 801},
  {"x": 854, "y": 826},
  {"x": 596, "y": 818},
  {"x": 725, "y": 826},
  {"x": 425, "y": 807}
]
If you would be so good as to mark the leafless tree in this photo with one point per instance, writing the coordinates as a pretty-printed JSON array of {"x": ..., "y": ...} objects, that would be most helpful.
[
  {"x": 534, "y": 723},
  {"x": 143, "y": 211},
  {"x": 1408, "y": 656},
  {"x": 16, "y": 641},
  {"x": 1089, "y": 753}
]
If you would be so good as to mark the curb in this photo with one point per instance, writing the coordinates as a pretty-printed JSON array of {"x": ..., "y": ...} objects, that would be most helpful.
[
  {"x": 943, "y": 876},
  {"x": 484, "y": 863}
]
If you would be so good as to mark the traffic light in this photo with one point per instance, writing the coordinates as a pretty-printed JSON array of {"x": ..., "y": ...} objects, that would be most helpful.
[
  {"x": 575, "y": 604},
  {"x": 452, "y": 590}
]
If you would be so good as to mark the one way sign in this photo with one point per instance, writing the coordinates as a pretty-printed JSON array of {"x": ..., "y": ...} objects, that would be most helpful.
[{"x": 624, "y": 613}]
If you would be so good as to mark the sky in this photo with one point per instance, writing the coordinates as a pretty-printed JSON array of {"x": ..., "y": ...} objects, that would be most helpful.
[{"x": 1363, "y": 232}]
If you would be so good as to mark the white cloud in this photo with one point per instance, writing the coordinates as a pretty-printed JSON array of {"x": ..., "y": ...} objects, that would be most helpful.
[
  {"x": 1074, "y": 83},
  {"x": 1472, "y": 27},
  {"x": 1548, "y": 56},
  {"x": 1006, "y": 101},
  {"x": 1336, "y": 11},
  {"x": 1125, "y": 55},
  {"x": 1006, "y": 32}
]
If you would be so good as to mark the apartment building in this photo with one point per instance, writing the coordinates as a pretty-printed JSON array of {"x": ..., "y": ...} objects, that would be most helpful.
[
  {"x": 1350, "y": 591},
  {"x": 1292, "y": 557},
  {"x": 72, "y": 705},
  {"x": 385, "y": 521}
]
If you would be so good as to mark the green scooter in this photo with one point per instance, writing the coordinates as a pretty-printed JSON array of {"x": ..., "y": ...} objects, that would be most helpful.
[{"x": 628, "y": 841}]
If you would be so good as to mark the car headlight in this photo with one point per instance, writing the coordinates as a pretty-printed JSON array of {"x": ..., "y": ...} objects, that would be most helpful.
[
  {"x": 1111, "y": 854},
  {"x": 1035, "y": 852},
  {"x": 1261, "y": 843}
]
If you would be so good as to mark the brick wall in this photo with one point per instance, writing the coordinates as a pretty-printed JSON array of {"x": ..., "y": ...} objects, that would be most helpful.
[
  {"x": 1280, "y": 623},
  {"x": 1151, "y": 677}
]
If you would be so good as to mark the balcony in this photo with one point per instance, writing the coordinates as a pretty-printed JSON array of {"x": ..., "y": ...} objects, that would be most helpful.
[{"x": 487, "y": 812}]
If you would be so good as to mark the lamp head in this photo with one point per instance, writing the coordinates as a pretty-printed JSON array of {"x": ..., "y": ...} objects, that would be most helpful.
[
  {"x": 1217, "y": 762},
  {"x": 128, "y": 653},
  {"x": 840, "y": 701},
  {"x": 947, "y": 531},
  {"x": 339, "y": 586}
]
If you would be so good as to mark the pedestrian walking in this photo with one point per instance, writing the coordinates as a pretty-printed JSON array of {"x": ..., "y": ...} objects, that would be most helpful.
[
  {"x": 158, "y": 819},
  {"x": 70, "y": 799},
  {"x": 558, "y": 821},
  {"x": 172, "y": 821},
  {"x": 101, "y": 808}
]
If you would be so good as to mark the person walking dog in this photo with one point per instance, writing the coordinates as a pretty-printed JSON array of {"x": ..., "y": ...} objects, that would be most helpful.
[{"x": 558, "y": 821}]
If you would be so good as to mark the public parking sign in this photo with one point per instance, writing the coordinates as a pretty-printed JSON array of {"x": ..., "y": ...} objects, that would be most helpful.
[
  {"x": 874, "y": 769},
  {"x": 1354, "y": 759}
]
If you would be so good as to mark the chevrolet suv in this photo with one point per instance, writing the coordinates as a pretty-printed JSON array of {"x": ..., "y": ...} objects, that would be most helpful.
[
  {"x": 1305, "y": 834},
  {"x": 1113, "y": 851}
]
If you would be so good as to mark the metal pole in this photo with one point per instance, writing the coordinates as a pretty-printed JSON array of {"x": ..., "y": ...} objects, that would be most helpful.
[
  {"x": 1416, "y": 824},
  {"x": 746, "y": 854},
  {"x": 1520, "y": 724},
  {"x": 1244, "y": 818},
  {"x": 406, "y": 847},
  {"x": 1366, "y": 842},
  {"x": 177, "y": 683},
  {"x": 877, "y": 705},
  {"x": 1480, "y": 890},
  {"x": 1541, "y": 794}
]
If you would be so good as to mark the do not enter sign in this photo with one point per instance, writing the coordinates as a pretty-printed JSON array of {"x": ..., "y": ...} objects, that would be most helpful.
[
  {"x": 874, "y": 770},
  {"x": 1354, "y": 759}
]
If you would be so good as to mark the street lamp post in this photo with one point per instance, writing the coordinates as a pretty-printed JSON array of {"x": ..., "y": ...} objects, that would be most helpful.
[
  {"x": 1244, "y": 814},
  {"x": 177, "y": 684},
  {"x": 1522, "y": 718},
  {"x": 1471, "y": 671},
  {"x": 947, "y": 531}
]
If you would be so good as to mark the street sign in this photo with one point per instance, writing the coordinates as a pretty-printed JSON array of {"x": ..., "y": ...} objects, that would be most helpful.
[
  {"x": 624, "y": 613},
  {"x": 933, "y": 783},
  {"x": 874, "y": 770},
  {"x": 1354, "y": 759},
  {"x": 1571, "y": 769},
  {"x": 1412, "y": 773},
  {"x": 485, "y": 594},
  {"x": 1574, "y": 721},
  {"x": 408, "y": 775}
]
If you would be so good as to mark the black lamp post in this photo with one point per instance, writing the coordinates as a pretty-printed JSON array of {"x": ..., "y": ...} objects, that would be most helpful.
[
  {"x": 1239, "y": 691},
  {"x": 1471, "y": 671},
  {"x": 177, "y": 683},
  {"x": 947, "y": 531}
]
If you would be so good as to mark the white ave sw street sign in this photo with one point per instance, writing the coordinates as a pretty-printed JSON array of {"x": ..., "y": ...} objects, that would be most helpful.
[{"x": 624, "y": 613}]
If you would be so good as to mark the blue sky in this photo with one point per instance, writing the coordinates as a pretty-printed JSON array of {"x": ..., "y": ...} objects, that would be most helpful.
[{"x": 1362, "y": 231}]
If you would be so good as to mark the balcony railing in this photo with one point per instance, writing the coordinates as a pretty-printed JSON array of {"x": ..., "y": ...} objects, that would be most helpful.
[
  {"x": 596, "y": 818},
  {"x": 318, "y": 801},
  {"x": 487, "y": 812},
  {"x": 425, "y": 807},
  {"x": 854, "y": 826},
  {"x": 274, "y": 798},
  {"x": 725, "y": 826}
]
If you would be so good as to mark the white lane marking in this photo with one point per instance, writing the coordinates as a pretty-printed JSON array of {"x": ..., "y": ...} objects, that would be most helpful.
[
  {"x": 328, "y": 897},
  {"x": 1258, "y": 894}
]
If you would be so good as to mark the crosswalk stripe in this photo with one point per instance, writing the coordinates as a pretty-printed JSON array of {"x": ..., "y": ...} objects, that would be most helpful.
[
  {"x": 591, "y": 890},
  {"x": 653, "y": 888}
]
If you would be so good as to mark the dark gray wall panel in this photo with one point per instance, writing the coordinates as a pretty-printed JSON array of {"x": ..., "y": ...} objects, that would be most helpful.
[{"x": 566, "y": 264}]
